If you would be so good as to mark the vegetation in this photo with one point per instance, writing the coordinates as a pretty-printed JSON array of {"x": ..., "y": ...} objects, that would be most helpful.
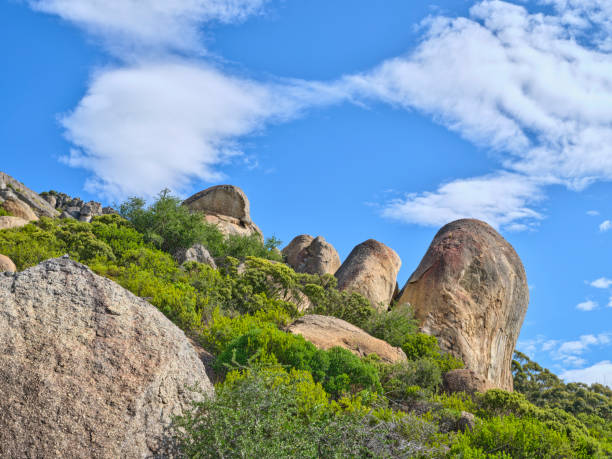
[{"x": 277, "y": 395}]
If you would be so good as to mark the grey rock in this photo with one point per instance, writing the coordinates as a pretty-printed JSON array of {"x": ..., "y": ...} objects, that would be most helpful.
[
  {"x": 466, "y": 422},
  {"x": 464, "y": 380},
  {"x": 87, "y": 369},
  {"x": 197, "y": 253},
  {"x": 470, "y": 291}
]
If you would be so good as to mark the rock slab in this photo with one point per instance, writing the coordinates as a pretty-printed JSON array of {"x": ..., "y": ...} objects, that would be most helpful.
[
  {"x": 87, "y": 369},
  {"x": 306, "y": 254},
  {"x": 326, "y": 332},
  {"x": 226, "y": 206},
  {"x": 470, "y": 291},
  {"x": 371, "y": 270},
  {"x": 198, "y": 253},
  {"x": 6, "y": 264},
  {"x": 13, "y": 189}
]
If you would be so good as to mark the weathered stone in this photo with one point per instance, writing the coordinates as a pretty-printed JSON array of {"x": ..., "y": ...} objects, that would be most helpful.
[
  {"x": 87, "y": 369},
  {"x": 371, "y": 269},
  {"x": 9, "y": 187},
  {"x": 12, "y": 222},
  {"x": 470, "y": 291},
  {"x": 232, "y": 226},
  {"x": 226, "y": 200},
  {"x": 19, "y": 209},
  {"x": 306, "y": 254},
  {"x": 464, "y": 380},
  {"x": 326, "y": 332},
  {"x": 197, "y": 253},
  {"x": 6, "y": 264}
]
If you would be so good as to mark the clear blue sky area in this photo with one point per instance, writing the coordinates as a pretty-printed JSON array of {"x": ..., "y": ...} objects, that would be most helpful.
[{"x": 365, "y": 122}]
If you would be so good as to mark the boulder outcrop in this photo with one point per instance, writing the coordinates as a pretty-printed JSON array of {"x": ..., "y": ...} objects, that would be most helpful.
[
  {"x": 326, "y": 332},
  {"x": 197, "y": 253},
  {"x": 470, "y": 291},
  {"x": 76, "y": 208},
  {"x": 306, "y": 254},
  {"x": 87, "y": 369},
  {"x": 464, "y": 380},
  {"x": 13, "y": 189},
  {"x": 371, "y": 270},
  {"x": 6, "y": 264},
  {"x": 227, "y": 207},
  {"x": 19, "y": 209}
]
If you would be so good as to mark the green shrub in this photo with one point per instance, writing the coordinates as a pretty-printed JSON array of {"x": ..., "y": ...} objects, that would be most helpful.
[
  {"x": 422, "y": 346},
  {"x": 268, "y": 412},
  {"x": 328, "y": 301},
  {"x": 394, "y": 326},
  {"x": 4, "y": 212},
  {"x": 337, "y": 369}
]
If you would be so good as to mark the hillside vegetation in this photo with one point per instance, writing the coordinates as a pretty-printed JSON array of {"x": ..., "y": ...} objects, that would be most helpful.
[{"x": 277, "y": 395}]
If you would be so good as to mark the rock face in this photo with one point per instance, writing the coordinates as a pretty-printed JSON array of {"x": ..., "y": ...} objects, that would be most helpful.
[
  {"x": 12, "y": 222},
  {"x": 306, "y": 254},
  {"x": 19, "y": 209},
  {"x": 12, "y": 189},
  {"x": 75, "y": 207},
  {"x": 227, "y": 207},
  {"x": 6, "y": 264},
  {"x": 326, "y": 332},
  {"x": 87, "y": 369},
  {"x": 464, "y": 380},
  {"x": 470, "y": 291},
  {"x": 197, "y": 253},
  {"x": 371, "y": 269}
]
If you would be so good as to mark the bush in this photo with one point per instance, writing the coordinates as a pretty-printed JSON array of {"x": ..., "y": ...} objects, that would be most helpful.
[
  {"x": 268, "y": 412},
  {"x": 394, "y": 326},
  {"x": 4, "y": 212},
  {"x": 422, "y": 346},
  {"x": 337, "y": 369}
]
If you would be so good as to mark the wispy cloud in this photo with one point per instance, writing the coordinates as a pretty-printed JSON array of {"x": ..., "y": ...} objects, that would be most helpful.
[
  {"x": 568, "y": 353},
  {"x": 587, "y": 305},
  {"x": 592, "y": 213},
  {"x": 128, "y": 26},
  {"x": 546, "y": 113},
  {"x": 605, "y": 226}
]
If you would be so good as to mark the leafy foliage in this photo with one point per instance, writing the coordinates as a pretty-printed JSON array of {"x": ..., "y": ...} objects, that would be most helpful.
[{"x": 4, "y": 212}]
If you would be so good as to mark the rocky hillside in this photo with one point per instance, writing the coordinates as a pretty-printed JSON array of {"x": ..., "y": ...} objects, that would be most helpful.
[{"x": 115, "y": 324}]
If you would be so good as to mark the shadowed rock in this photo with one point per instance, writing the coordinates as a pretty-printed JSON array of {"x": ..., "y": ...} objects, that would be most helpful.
[
  {"x": 11, "y": 188},
  {"x": 470, "y": 291},
  {"x": 87, "y": 369},
  {"x": 306, "y": 254},
  {"x": 225, "y": 206},
  {"x": 326, "y": 332},
  {"x": 371, "y": 270}
]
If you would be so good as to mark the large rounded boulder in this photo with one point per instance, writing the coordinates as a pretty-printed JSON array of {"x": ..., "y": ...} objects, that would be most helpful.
[
  {"x": 470, "y": 291},
  {"x": 326, "y": 332},
  {"x": 306, "y": 254},
  {"x": 371, "y": 270},
  {"x": 87, "y": 369},
  {"x": 226, "y": 206}
]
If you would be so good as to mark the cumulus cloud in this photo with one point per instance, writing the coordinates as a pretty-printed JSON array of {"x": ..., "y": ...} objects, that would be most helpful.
[
  {"x": 602, "y": 282},
  {"x": 605, "y": 226},
  {"x": 578, "y": 347},
  {"x": 146, "y": 24},
  {"x": 600, "y": 373},
  {"x": 588, "y": 305},
  {"x": 517, "y": 83},
  {"x": 142, "y": 128}
]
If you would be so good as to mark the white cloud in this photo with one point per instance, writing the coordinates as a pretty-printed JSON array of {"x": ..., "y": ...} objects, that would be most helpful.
[
  {"x": 592, "y": 213},
  {"x": 605, "y": 226},
  {"x": 142, "y": 128},
  {"x": 500, "y": 199},
  {"x": 515, "y": 82},
  {"x": 602, "y": 282},
  {"x": 578, "y": 347},
  {"x": 610, "y": 302},
  {"x": 588, "y": 305},
  {"x": 599, "y": 373},
  {"x": 146, "y": 24}
]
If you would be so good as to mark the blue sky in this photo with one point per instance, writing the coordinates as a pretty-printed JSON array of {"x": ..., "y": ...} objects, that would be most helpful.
[{"x": 350, "y": 119}]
